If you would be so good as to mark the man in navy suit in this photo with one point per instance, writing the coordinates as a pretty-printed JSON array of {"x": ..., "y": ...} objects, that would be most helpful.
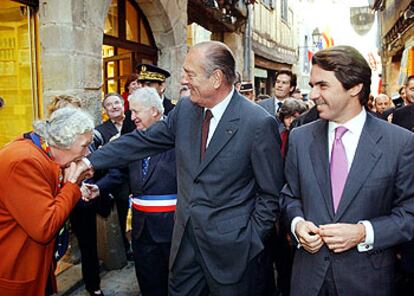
[
  {"x": 349, "y": 193},
  {"x": 285, "y": 85},
  {"x": 228, "y": 186},
  {"x": 404, "y": 116},
  {"x": 153, "y": 185}
]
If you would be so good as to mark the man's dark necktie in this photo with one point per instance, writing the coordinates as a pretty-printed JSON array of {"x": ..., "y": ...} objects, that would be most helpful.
[
  {"x": 145, "y": 166},
  {"x": 279, "y": 105},
  {"x": 204, "y": 132}
]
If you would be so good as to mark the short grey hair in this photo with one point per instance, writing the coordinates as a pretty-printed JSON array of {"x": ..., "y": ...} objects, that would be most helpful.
[
  {"x": 64, "y": 126},
  {"x": 384, "y": 96},
  {"x": 218, "y": 55},
  {"x": 148, "y": 97}
]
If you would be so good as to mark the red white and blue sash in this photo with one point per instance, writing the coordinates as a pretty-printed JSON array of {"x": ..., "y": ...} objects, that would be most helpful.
[{"x": 154, "y": 203}]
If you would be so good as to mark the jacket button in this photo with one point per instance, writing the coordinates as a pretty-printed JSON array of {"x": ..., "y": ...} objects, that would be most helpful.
[
  {"x": 196, "y": 181},
  {"x": 326, "y": 258}
]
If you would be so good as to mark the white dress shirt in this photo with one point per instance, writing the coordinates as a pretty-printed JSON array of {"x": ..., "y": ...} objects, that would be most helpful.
[
  {"x": 350, "y": 141},
  {"x": 278, "y": 104},
  {"x": 217, "y": 112}
]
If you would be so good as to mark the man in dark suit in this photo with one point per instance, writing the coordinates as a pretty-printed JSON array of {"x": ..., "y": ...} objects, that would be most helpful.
[
  {"x": 153, "y": 185},
  {"x": 404, "y": 116},
  {"x": 83, "y": 216},
  {"x": 285, "y": 85},
  {"x": 228, "y": 187},
  {"x": 349, "y": 193}
]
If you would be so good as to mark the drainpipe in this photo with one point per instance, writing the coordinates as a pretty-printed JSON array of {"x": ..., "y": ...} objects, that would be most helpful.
[{"x": 248, "y": 36}]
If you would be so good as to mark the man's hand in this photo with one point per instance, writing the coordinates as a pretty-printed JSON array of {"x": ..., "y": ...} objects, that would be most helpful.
[
  {"x": 308, "y": 236},
  {"x": 77, "y": 172},
  {"x": 89, "y": 191},
  {"x": 342, "y": 237}
]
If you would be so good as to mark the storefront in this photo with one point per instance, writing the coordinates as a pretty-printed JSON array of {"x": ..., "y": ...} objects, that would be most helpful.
[
  {"x": 265, "y": 74},
  {"x": 18, "y": 68}
]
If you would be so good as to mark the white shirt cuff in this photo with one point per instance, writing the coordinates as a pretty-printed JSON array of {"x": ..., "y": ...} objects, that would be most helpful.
[
  {"x": 87, "y": 162},
  {"x": 368, "y": 244},
  {"x": 295, "y": 221}
]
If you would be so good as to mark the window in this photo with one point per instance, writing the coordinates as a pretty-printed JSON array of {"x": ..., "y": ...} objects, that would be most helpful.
[
  {"x": 111, "y": 20},
  {"x": 268, "y": 3},
  {"x": 128, "y": 41},
  {"x": 131, "y": 22},
  {"x": 284, "y": 10}
]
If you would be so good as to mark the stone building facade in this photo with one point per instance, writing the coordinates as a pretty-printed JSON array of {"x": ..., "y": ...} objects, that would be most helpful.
[
  {"x": 71, "y": 37},
  {"x": 396, "y": 30}
]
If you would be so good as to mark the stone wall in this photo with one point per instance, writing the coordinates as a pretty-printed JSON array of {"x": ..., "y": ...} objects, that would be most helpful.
[
  {"x": 71, "y": 36},
  {"x": 168, "y": 22}
]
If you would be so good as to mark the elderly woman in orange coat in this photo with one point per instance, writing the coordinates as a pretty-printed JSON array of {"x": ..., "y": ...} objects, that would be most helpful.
[{"x": 39, "y": 187}]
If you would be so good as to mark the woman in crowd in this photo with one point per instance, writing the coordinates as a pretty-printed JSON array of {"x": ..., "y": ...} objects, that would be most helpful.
[
  {"x": 61, "y": 101},
  {"x": 131, "y": 85},
  {"x": 39, "y": 188}
]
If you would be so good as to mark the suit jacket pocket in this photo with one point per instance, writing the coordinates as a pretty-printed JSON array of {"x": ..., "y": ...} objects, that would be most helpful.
[
  {"x": 381, "y": 259},
  {"x": 232, "y": 224}
]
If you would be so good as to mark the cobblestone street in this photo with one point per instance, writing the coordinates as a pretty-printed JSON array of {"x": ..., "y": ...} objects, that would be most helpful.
[{"x": 120, "y": 282}]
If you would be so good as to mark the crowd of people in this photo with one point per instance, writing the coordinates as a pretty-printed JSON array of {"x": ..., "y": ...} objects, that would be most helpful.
[{"x": 230, "y": 195}]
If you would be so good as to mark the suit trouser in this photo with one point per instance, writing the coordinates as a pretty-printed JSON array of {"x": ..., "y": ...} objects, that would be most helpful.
[
  {"x": 83, "y": 221},
  {"x": 122, "y": 206},
  {"x": 283, "y": 254},
  {"x": 190, "y": 277},
  {"x": 151, "y": 263},
  {"x": 405, "y": 269}
]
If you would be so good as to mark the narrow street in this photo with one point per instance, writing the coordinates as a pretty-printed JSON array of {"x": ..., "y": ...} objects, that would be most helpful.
[{"x": 121, "y": 282}]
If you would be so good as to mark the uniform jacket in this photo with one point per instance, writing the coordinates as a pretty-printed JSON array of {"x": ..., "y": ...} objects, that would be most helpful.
[
  {"x": 232, "y": 195},
  {"x": 379, "y": 188},
  {"x": 32, "y": 211}
]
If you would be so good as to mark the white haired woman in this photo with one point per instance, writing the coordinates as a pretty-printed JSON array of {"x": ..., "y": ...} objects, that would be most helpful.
[{"x": 36, "y": 197}]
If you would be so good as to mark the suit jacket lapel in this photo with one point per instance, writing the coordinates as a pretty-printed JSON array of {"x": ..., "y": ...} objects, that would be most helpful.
[
  {"x": 113, "y": 128},
  {"x": 225, "y": 130},
  {"x": 366, "y": 157},
  {"x": 320, "y": 162},
  {"x": 273, "y": 106},
  {"x": 194, "y": 137}
]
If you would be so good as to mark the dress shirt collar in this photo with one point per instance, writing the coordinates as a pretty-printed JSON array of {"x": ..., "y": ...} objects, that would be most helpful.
[
  {"x": 117, "y": 124},
  {"x": 354, "y": 125},
  {"x": 219, "y": 109}
]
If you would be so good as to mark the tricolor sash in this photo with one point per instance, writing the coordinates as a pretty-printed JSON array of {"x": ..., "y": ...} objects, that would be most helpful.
[{"x": 154, "y": 203}]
